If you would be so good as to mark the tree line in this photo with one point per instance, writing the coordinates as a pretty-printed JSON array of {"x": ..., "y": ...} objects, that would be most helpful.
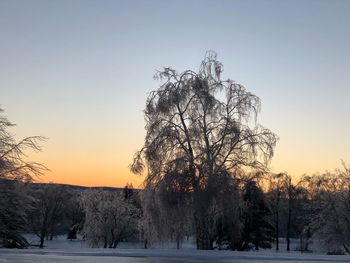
[
  {"x": 101, "y": 217},
  {"x": 256, "y": 212}
]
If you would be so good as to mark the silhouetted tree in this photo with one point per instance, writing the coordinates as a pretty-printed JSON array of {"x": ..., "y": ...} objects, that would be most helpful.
[
  {"x": 330, "y": 205},
  {"x": 128, "y": 191},
  {"x": 14, "y": 203},
  {"x": 283, "y": 194},
  {"x": 203, "y": 127},
  {"x": 15, "y": 171},
  {"x": 256, "y": 226},
  {"x": 229, "y": 206},
  {"x": 13, "y": 163},
  {"x": 276, "y": 195},
  {"x": 47, "y": 215},
  {"x": 75, "y": 215}
]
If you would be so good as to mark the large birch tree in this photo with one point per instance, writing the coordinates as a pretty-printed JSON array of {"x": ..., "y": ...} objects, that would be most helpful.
[{"x": 203, "y": 129}]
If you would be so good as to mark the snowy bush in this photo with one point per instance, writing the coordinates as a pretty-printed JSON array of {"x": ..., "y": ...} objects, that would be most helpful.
[{"x": 110, "y": 217}]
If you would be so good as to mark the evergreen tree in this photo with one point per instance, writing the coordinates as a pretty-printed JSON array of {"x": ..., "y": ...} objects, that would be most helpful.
[
  {"x": 257, "y": 230},
  {"x": 13, "y": 204}
]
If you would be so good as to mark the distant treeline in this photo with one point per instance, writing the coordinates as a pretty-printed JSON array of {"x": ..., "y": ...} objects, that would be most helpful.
[
  {"x": 49, "y": 210},
  {"x": 254, "y": 212}
]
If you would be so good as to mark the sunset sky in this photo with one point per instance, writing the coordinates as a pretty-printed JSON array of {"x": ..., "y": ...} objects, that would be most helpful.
[{"x": 79, "y": 72}]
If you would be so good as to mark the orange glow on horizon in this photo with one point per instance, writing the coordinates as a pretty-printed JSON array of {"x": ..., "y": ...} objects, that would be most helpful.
[{"x": 91, "y": 178}]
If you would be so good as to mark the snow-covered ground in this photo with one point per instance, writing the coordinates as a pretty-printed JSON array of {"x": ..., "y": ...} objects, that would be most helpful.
[
  {"x": 158, "y": 255},
  {"x": 62, "y": 250}
]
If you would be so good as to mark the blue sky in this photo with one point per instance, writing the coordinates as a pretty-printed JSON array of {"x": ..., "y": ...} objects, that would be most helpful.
[{"x": 78, "y": 72}]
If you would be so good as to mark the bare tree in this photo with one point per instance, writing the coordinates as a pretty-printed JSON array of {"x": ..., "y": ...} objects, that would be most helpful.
[
  {"x": 331, "y": 208},
  {"x": 13, "y": 163},
  {"x": 109, "y": 218},
  {"x": 203, "y": 128},
  {"x": 289, "y": 187},
  {"x": 15, "y": 172},
  {"x": 275, "y": 192},
  {"x": 48, "y": 210}
]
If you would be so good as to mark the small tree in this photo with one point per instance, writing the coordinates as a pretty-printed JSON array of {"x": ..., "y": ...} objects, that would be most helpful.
[
  {"x": 48, "y": 211},
  {"x": 331, "y": 208},
  {"x": 109, "y": 218},
  {"x": 75, "y": 215}
]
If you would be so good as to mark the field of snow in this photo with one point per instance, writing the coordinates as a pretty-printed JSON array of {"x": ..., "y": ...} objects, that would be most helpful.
[
  {"x": 158, "y": 255},
  {"x": 62, "y": 250}
]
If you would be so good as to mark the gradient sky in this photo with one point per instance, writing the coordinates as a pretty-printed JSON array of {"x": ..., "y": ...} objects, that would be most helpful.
[{"x": 78, "y": 73}]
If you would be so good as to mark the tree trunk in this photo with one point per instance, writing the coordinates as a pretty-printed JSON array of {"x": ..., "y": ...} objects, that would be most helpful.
[
  {"x": 42, "y": 235},
  {"x": 289, "y": 220},
  {"x": 42, "y": 238},
  {"x": 308, "y": 235},
  {"x": 277, "y": 230},
  {"x": 105, "y": 243},
  {"x": 204, "y": 242},
  {"x": 177, "y": 243},
  {"x": 203, "y": 239},
  {"x": 115, "y": 243}
]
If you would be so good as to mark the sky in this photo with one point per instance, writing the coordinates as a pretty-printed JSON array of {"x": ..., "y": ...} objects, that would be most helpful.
[{"x": 79, "y": 72}]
